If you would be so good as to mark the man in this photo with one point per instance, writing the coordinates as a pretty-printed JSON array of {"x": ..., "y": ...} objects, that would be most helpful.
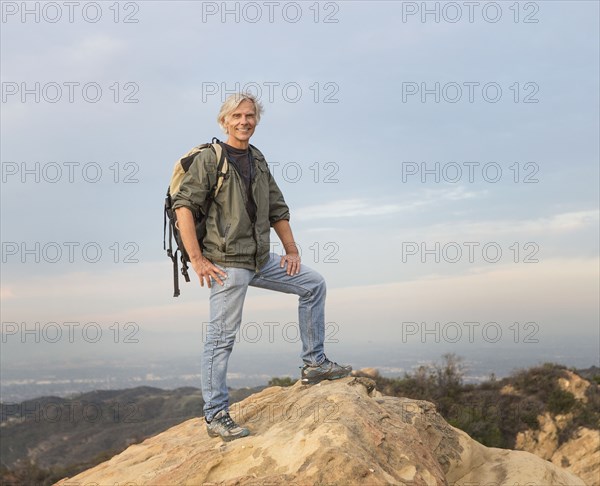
[{"x": 236, "y": 254}]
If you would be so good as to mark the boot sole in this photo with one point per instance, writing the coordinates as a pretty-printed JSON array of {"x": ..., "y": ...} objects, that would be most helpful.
[{"x": 228, "y": 438}]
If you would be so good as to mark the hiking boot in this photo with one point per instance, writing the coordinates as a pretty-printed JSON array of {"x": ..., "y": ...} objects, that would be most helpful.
[
  {"x": 328, "y": 370},
  {"x": 222, "y": 425}
]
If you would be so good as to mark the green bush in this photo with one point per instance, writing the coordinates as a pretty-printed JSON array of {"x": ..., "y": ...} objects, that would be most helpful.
[
  {"x": 285, "y": 381},
  {"x": 561, "y": 401}
]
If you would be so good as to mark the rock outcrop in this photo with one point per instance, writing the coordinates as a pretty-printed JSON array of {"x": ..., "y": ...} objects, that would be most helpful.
[
  {"x": 580, "y": 454},
  {"x": 336, "y": 433},
  {"x": 574, "y": 384}
]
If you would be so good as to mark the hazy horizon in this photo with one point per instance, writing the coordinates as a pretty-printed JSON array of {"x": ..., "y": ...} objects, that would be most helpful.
[{"x": 253, "y": 366}]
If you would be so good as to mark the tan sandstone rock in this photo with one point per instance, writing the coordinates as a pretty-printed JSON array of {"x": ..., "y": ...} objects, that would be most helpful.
[
  {"x": 574, "y": 384},
  {"x": 334, "y": 433},
  {"x": 542, "y": 442},
  {"x": 367, "y": 372},
  {"x": 581, "y": 455}
]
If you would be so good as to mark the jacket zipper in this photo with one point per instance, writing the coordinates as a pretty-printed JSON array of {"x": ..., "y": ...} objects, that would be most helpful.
[
  {"x": 252, "y": 186},
  {"x": 245, "y": 197}
]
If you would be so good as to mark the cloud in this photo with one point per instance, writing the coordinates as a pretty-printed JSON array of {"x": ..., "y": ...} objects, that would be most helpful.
[
  {"x": 347, "y": 208},
  {"x": 557, "y": 224},
  {"x": 6, "y": 293},
  {"x": 87, "y": 58},
  {"x": 572, "y": 221},
  {"x": 560, "y": 296},
  {"x": 350, "y": 208},
  {"x": 94, "y": 53}
]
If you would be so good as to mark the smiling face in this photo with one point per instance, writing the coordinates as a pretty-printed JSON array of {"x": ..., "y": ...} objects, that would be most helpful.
[{"x": 240, "y": 125}]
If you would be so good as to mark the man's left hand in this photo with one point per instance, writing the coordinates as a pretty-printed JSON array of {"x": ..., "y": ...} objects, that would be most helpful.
[{"x": 293, "y": 263}]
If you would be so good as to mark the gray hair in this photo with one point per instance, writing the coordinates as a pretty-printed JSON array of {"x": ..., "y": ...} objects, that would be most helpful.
[{"x": 231, "y": 104}]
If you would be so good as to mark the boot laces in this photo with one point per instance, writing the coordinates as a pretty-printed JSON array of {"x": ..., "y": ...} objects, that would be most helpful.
[{"x": 228, "y": 421}]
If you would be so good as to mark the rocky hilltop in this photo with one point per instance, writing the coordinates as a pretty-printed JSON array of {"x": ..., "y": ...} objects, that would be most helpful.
[{"x": 336, "y": 433}]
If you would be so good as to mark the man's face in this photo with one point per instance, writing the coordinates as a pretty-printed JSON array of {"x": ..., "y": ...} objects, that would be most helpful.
[{"x": 241, "y": 123}]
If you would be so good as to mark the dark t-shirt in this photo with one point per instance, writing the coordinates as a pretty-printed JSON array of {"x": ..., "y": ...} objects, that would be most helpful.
[{"x": 241, "y": 159}]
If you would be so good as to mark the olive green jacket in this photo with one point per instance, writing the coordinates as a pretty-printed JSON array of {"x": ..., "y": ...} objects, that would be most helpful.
[{"x": 231, "y": 237}]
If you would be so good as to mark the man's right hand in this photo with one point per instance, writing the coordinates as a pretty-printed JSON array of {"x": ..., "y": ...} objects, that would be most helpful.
[{"x": 205, "y": 270}]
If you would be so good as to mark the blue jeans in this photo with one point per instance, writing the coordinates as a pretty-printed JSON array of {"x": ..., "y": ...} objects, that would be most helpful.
[{"x": 226, "y": 304}]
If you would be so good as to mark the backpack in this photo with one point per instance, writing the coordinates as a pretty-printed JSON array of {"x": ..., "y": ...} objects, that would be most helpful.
[{"x": 181, "y": 168}]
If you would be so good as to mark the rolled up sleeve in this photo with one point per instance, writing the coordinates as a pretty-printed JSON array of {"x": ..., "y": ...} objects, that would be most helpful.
[{"x": 278, "y": 209}]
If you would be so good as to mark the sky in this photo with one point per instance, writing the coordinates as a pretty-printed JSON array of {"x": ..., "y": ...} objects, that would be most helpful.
[{"x": 440, "y": 161}]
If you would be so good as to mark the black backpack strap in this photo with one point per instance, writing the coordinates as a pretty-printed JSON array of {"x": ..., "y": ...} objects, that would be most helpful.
[
  {"x": 165, "y": 228},
  {"x": 172, "y": 255},
  {"x": 222, "y": 169},
  {"x": 176, "y": 291}
]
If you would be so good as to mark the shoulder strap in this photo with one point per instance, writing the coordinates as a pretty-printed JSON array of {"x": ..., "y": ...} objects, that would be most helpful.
[
  {"x": 182, "y": 166},
  {"x": 222, "y": 167}
]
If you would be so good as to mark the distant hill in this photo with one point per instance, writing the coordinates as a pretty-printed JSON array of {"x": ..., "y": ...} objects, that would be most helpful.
[{"x": 45, "y": 438}]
